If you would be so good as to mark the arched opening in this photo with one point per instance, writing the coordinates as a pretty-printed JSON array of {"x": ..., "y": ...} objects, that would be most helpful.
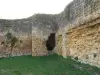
[{"x": 50, "y": 44}]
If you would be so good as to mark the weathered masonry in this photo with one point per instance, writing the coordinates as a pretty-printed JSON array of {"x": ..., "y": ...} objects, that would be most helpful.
[
  {"x": 80, "y": 38},
  {"x": 74, "y": 32}
]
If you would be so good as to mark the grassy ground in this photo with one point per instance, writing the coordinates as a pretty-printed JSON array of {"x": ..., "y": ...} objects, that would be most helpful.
[{"x": 50, "y": 65}]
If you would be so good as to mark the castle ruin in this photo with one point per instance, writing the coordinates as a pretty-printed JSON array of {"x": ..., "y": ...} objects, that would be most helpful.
[{"x": 74, "y": 32}]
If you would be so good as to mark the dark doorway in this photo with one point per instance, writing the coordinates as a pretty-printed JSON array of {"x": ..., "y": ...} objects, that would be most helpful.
[{"x": 50, "y": 44}]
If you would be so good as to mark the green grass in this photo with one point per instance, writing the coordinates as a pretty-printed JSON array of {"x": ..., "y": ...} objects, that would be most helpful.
[{"x": 46, "y": 65}]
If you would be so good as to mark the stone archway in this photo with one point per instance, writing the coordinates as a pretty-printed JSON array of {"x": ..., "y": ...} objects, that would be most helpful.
[{"x": 50, "y": 44}]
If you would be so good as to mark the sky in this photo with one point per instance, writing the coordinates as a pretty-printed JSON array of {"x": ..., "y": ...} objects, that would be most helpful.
[{"x": 17, "y": 9}]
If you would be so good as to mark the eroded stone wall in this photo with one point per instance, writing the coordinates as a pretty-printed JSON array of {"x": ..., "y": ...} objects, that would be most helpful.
[
  {"x": 39, "y": 46},
  {"x": 84, "y": 43},
  {"x": 22, "y": 47},
  {"x": 58, "y": 49},
  {"x": 80, "y": 31},
  {"x": 79, "y": 9},
  {"x": 77, "y": 31}
]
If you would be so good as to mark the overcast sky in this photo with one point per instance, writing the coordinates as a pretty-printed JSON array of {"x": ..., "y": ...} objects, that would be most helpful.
[{"x": 14, "y": 9}]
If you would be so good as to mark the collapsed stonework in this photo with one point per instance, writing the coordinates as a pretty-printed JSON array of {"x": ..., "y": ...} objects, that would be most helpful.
[{"x": 76, "y": 29}]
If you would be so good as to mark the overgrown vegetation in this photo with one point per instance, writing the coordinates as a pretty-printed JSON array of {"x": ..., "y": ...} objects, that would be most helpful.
[{"x": 46, "y": 65}]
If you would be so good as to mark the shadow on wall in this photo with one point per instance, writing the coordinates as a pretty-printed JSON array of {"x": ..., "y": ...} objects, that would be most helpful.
[{"x": 50, "y": 44}]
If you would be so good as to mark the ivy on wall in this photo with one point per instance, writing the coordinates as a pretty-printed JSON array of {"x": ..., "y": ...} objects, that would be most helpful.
[{"x": 10, "y": 39}]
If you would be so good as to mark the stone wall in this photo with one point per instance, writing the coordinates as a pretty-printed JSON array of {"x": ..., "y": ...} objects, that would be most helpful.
[
  {"x": 43, "y": 25},
  {"x": 81, "y": 9},
  {"x": 78, "y": 12},
  {"x": 84, "y": 43},
  {"x": 58, "y": 49},
  {"x": 80, "y": 32},
  {"x": 39, "y": 46},
  {"x": 22, "y": 46},
  {"x": 77, "y": 31},
  {"x": 19, "y": 28}
]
